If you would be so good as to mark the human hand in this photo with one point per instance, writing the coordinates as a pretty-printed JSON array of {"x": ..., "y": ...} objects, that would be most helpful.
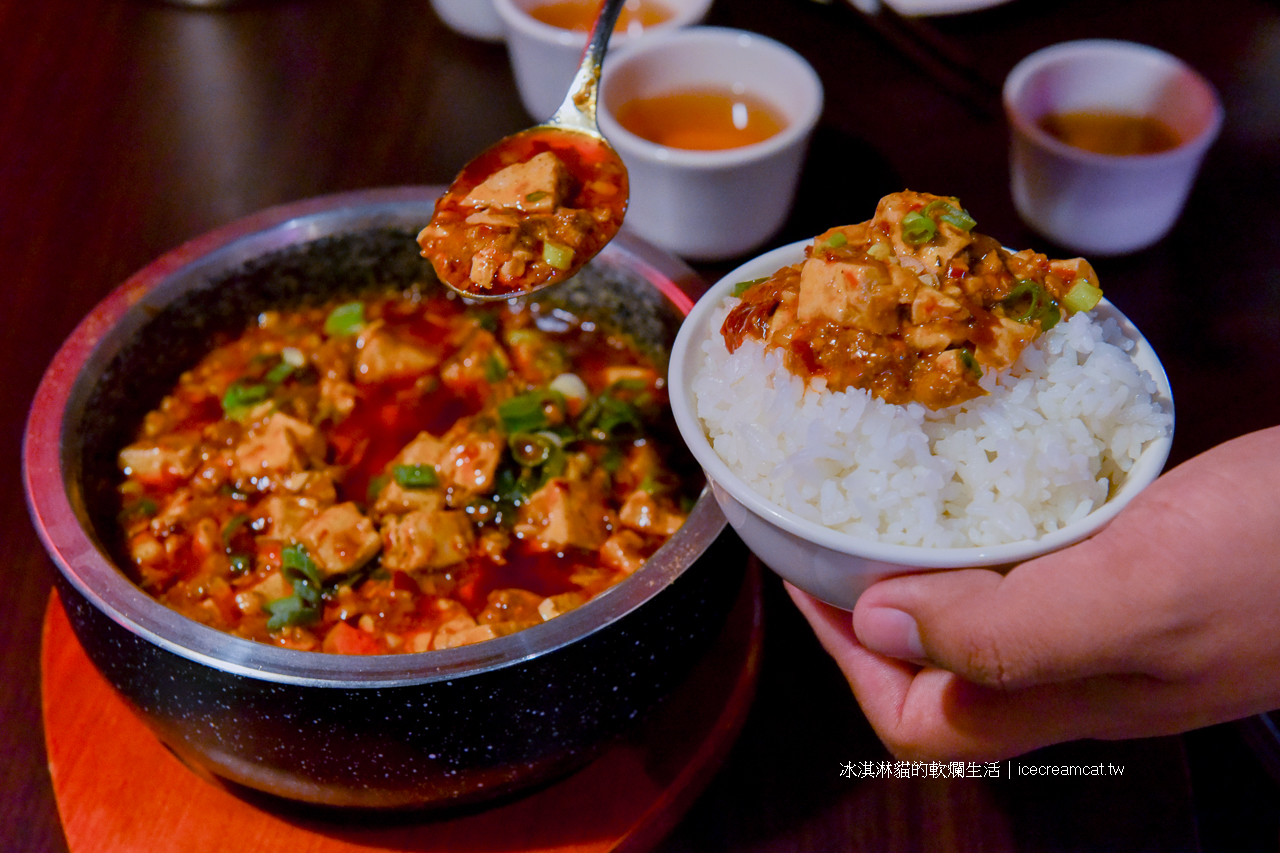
[{"x": 1163, "y": 622}]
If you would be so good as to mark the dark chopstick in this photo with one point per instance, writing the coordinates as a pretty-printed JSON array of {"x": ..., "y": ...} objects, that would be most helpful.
[{"x": 937, "y": 56}]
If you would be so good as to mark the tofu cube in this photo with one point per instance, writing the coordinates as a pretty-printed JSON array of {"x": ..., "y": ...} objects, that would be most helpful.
[
  {"x": 173, "y": 456},
  {"x": 560, "y": 515},
  {"x": 860, "y": 294},
  {"x": 537, "y": 185},
  {"x": 281, "y": 445},
  {"x": 340, "y": 539},
  {"x": 382, "y": 355}
]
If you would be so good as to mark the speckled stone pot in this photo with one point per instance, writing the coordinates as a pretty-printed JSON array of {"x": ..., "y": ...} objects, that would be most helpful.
[{"x": 394, "y": 731}]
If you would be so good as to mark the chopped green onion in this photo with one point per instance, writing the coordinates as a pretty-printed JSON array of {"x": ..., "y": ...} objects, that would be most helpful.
[
  {"x": 307, "y": 602},
  {"x": 287, "y": 612},
  {"x": 494, "y": 370},
  {"x": 233, "y": 524},
  {"x": 536, "y": 195},
  {"x": 556, "y": 255},
  {"x": 279, "y": 373},
  {"x": 527, "y": 412},
  {"x": 951, "y": 213},
  {"x": 835, "y": 241},
  {"x": 970, "y": 363},
  {"x": 297, "y": 565},
  {"x": 630, "y": 383},
  {"x": 880, "y": 251},
  {"x": 555, "y": 465},
  {"x": 509, "y": 489},
  {"x": 241, "y": 397},
  {"x": 345, "y": 320},
  {"x": 530, "y": 449},
  {"x": 1029, "y": 302},
  {"x": 1028, "y": 292},
  {"x": 743, "y": 286},
  {"x": 416, "y": 476},
  {"x": 918, "y": 229},
  {"x": 522, "y": 413},
  {"x": 960, "y": 219},
  {"x": 1049, "y": 317},
  {"x": 1082, "y": 296},
  {"x": 609, "y": 418}
]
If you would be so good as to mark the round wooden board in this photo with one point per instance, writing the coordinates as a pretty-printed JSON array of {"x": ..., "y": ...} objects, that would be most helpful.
[{"x": 120, "y": 790}]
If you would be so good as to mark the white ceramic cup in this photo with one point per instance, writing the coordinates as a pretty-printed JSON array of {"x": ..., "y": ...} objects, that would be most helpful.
[
  {"x": 1100, "y": 204},
  {"x": 711, "y": 205},
  {"x": 544, "y": 58},
  {"x": 476, "y": 19}
]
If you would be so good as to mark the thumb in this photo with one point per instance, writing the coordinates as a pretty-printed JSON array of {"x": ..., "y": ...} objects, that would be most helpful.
[{"x": 1057, "y": 618}]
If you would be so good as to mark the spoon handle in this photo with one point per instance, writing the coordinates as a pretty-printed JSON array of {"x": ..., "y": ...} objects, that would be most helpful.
[{"x": 579, "y": 107}]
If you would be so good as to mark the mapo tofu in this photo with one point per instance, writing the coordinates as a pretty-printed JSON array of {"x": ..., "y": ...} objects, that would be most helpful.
[
  {"x": 400, "y": 474},
  {"x": 912, "y": 305}
]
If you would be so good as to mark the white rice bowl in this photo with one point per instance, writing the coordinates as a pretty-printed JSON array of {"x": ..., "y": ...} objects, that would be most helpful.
[{"x": 1078, "y": 425}]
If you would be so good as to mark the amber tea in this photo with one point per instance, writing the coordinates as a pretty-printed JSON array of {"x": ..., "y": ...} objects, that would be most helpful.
[
  {"x": 1111, "y": 133},
  {"x": 703, "y": 120},
  {"x": 581, "y": 14}
]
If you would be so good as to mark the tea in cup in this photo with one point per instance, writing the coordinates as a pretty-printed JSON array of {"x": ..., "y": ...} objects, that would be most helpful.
[
  {"x": 713, "y": 125},
  {"x": 545, "y": 40},
  {"x": 1107, "y": 138}
]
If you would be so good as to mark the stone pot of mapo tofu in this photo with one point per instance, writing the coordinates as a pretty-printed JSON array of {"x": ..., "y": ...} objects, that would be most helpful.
[
  {"x": 401, "y": 473},
  {"x": 294, "y": 399}
]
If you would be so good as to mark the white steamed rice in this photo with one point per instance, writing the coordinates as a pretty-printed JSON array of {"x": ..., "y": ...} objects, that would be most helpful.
[{"x": 1043, "y": 449}]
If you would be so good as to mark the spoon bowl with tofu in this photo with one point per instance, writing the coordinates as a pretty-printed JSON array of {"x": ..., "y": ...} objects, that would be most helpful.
[{"x": 535, "y": 207}]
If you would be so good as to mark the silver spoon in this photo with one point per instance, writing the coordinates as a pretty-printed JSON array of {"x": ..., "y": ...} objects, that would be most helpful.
[{"x": 598, "y": 188}]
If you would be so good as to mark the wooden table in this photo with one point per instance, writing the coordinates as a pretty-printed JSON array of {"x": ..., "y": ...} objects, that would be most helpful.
[{"x": 127, "y": 127}]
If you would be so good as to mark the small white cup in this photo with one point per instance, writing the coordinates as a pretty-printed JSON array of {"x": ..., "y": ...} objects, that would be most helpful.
[
  {"x": 711, "y": 205},
  {"x": 476, "y": 19},
  {"x": 1100, "y": 204},
  {"x": 544, "y": 58}
]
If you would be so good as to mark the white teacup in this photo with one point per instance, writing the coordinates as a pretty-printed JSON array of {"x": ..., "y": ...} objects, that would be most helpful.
[
  {"x": 1105, "y": 204},
  {"x": 544, "y": 58},
  {"x": 711, "y": 205},
  {"x": 476, "y": 19}
]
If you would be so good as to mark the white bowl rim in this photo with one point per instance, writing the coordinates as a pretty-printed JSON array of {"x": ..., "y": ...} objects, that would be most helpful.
[{"x": 1144, "y": 471}]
